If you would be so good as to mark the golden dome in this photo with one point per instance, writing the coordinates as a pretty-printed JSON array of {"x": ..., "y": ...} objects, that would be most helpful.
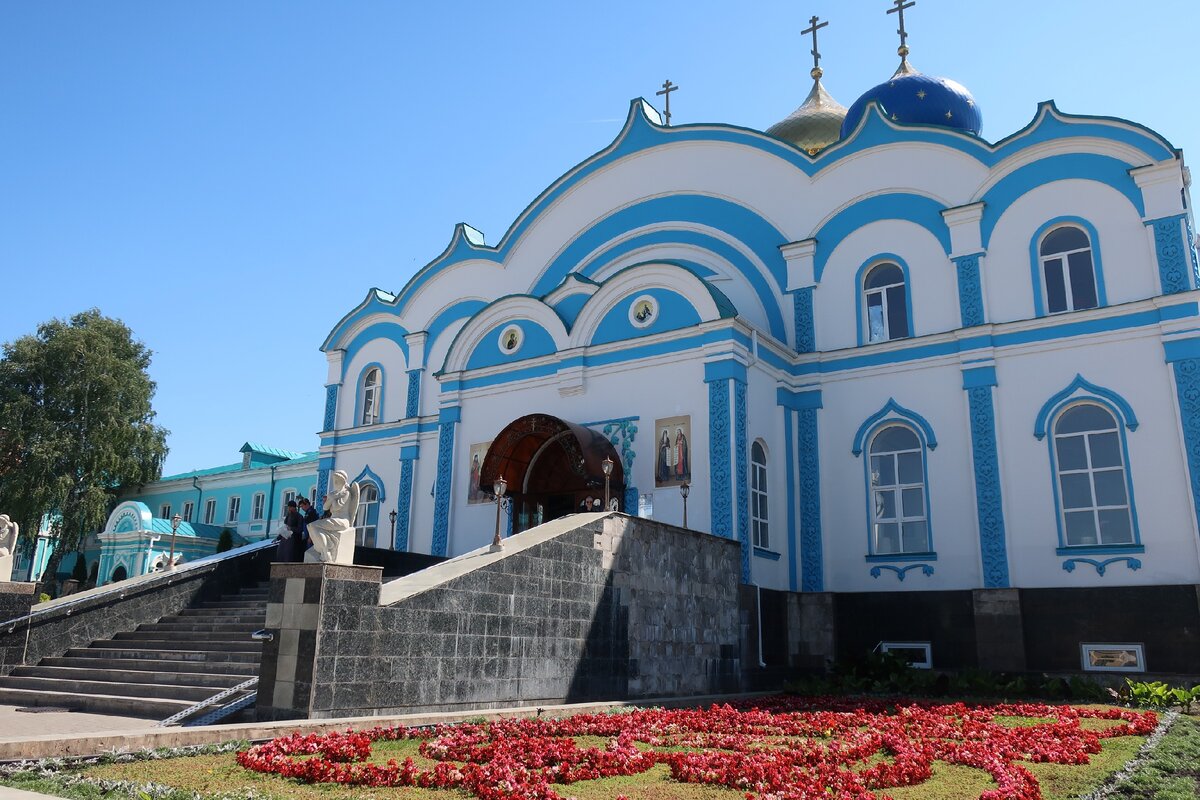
[{"x": 816, "y": 124}]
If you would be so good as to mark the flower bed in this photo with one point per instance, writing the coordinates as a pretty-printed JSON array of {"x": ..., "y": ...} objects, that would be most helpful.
[{"x": 781, "y": 749}]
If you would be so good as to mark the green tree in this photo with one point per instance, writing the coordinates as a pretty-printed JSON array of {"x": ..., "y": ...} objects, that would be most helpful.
[
  {"x": 225, "y": 540},
  {"x": 75, "y": 399}
]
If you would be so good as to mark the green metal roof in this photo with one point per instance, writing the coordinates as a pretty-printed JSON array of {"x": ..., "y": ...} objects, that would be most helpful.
[
  {"x": 251, "y": 447},
  {"x": 293, "y": 458}
]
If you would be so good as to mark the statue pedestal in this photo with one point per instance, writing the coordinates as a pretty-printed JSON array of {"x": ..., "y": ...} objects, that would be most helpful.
[{"x": 16, "y": 599}]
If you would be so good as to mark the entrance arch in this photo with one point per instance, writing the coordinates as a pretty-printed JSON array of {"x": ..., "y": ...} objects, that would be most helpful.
[{"x": 553, "y": 468}]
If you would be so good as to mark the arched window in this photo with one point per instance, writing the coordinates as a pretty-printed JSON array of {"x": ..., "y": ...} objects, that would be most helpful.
[
  {"x": 758, "y": 496},
  {"x": 1093, "y": 486},
  {"x": 1068, "y": 276},
  {"x": 885, "y": 303},
  {"x": 370, "y": 396},
  {"x": 366, "y": 521},
  {"x": 899, "y": 512}
]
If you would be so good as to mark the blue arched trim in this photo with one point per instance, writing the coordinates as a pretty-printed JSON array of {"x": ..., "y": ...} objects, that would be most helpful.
[
  {"x": 358, "y": 391},
  {"x": 464, "y": 309},
  {"x": 379, "y": 330},
  {"x": 537, "y": 341},
  {"x": 723, "y": 250},
  {"x": 1081, "y": 389},
  {"x": 368, "y": 475},
  {"x": 914, "y": 208},
  {"x": 1082, "y": 166},
  {"x": 641, "y": 132},
  {"x": 377, "y": 301},
  {"x": 674, "y": 312},
  {"x": 741, "y": 223},
  {"x": 1035, "y": 260},
  {"x": 891, "y": 412},
  {"x": 859, "y": 295}
]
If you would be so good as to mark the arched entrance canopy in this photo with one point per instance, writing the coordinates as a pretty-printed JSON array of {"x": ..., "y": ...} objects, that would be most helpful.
[{"x": 552, "y": 467}]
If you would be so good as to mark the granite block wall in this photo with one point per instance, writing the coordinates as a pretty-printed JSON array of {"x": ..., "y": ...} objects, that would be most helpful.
[
  {"x": 608, "y": 607},
  {"x": 82, "y": 618}
]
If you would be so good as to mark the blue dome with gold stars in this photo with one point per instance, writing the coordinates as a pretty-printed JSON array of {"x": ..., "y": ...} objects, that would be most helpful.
[{"x": 915, "y": 99}]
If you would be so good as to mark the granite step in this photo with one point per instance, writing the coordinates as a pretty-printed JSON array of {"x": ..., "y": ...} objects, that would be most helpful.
[
  {"x": 124, "y": 651},
  {"x": 200, "y": 627},
  {"x": 96, "y": 661},
  {"x": 217, "y": 615},
  {"x": 238, "y": 604},
  {"x": 193, "y": 694},
  {"x": 142, "y": 707},
  {"x": 121, "y": 642},
  {"x": 169, "y": 677},
  {"x": 186, "y": 637}
]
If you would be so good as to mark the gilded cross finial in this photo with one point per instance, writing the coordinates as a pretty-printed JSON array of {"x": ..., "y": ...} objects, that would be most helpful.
[
  {"x": 900, "y": 5},
  {"x": 666, "y": 90},
  {"x": 812, "y": 28}
]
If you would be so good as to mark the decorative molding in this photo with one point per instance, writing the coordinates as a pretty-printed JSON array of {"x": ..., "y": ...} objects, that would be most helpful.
[
  {"x": 322, "y": 487},
  {"x": 1101, "y": 566},
  {"x": 1084, "y": 389},
  {"x": 718, "y": 457},
  {"x": 743, "y": 490},
  {"x": 989, "y": 505},
  {"x": 621, "y": 433},
  {"x": 441, "y": 496},
  {"x": 369, "y": 475},
  {"x": 812, "y": 563},
  {"x": 331, "y": 393},
  {"x": 412, "y": 404},
  {"x": 926, "y": 569},
  {"x": 631, "y": 500},
  {"x": 1172, "y": 254},
  {"x": 970, "y": 290},
  {"x": 1187, "y": 386},
  {"x": 404, "y": 506},
  {"x": 806, "y": 331},
  {"x": 893, "y": 411}
]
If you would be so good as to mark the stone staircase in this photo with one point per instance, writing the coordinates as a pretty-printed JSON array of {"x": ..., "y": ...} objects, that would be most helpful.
[{"x": 155, "y": 671}]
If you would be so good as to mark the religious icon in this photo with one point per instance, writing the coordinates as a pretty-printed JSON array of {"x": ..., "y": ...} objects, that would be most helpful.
[
  {"x": 642, "y": 311},
  {"x": 510, "y": 339},
  {"x": 614, "y": 504},
  {"x": 475, "y": 492},
  {"x": 673, "y": 451}
]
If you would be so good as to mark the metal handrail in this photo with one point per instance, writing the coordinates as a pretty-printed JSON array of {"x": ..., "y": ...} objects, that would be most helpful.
[
  {"x": 121, "y": 588},
  {"x": 216, "y": 698}
]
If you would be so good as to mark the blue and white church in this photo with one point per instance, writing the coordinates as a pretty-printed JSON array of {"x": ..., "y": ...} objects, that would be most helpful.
[{"x": 881, "y": 352}]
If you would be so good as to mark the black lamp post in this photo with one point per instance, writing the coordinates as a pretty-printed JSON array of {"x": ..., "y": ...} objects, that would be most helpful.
[
  {"x": 607, "y": 466},
  {"x": 175, "y": 520},
  {"x": 684, "y": 488},
  {"x": 392, "y": 517},
  {"x": 498, "y": 488}
]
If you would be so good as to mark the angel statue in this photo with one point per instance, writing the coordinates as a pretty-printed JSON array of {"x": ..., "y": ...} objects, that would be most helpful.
[
  {"x": 333, "y": 537},
  {"x": 8, "y": 545}
]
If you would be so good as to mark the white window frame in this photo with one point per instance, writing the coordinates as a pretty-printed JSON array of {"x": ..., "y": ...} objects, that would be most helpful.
[
  {"x": 363, "y": 525},
  {"x": 288, "y": 494},
  {"x": 210, "y": 511},
  {"x": 235, "y": 508},
  {"x": 1063, "y": 256},
  {"x": 164, "y": 511},
  {"x": 882, "y": 291},
  {"x": 258, "y": 506},
  {"x": 1086, "y": 649},
  {"x": 369, "y": 414},
  {"x": 312, "y": 496},
  {"x": 188, "y": 509},
  {"x": 926, "y": 647},
  {"x": 1091, "y": 472},
  {"x": 760, "y": 531},
  {"x": 898, "y": 489}
]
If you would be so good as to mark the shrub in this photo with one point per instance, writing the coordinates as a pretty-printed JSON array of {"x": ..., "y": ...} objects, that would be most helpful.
[
  {"x": 225, "y": 540},
  {"x": 79, "y": 571}
]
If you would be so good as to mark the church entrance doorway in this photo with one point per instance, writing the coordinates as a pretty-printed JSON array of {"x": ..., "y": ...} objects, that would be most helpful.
[{"x": 553, "y": 468}]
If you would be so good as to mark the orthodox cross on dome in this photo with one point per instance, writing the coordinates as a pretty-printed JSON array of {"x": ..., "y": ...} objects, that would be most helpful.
[
  {"x": 816, "y": 54},
  {"x": 900, "y": 5},
  {"x": 667, "y": 88}
]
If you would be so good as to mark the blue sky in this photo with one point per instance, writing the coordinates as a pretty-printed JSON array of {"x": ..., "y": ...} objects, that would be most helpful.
[{"x": 230, "y": 178}]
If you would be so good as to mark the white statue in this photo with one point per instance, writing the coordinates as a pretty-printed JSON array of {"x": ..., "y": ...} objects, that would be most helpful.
[
  {"x": 333, "y": 537},
  {"x": 8, "y": 546}
]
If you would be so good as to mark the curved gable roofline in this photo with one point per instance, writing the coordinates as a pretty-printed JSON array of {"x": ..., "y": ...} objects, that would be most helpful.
[
  {"x": 376, "y": 301},
  {"x": 725, "y": 306},
  {"x": 528, "y": 301},
  {"x": 643, "y": 130}
]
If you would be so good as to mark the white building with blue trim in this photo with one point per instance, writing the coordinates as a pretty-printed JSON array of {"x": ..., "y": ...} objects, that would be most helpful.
[{"x": 908, "y": 358}]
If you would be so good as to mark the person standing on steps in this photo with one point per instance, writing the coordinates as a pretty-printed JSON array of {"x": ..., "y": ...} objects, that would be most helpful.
[{"x": 291, "y": 549}]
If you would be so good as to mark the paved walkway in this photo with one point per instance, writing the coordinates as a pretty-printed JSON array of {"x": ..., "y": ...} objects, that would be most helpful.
[
  {"x": 20, "y": 794},
  {"x": 16, "y": 724}
]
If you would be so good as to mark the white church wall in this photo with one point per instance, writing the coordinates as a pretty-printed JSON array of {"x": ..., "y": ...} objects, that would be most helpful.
[
  {"x": 935, "y": 393},
  {"x": 420, "y": 532},
  {"x": 932, "y": 286},
  {"x": 942, "y": 173},
  {"x": 1132, "y": 366},
  {"x": 1126, "y": 258},
  {"x": 386, "y": 354},
  {"x": 764, "y": 422}
]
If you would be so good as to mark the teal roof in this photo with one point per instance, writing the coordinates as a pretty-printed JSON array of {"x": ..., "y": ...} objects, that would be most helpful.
[
  {"x": 295, "y": 458},
  {"x": 287, "y": 455}
]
